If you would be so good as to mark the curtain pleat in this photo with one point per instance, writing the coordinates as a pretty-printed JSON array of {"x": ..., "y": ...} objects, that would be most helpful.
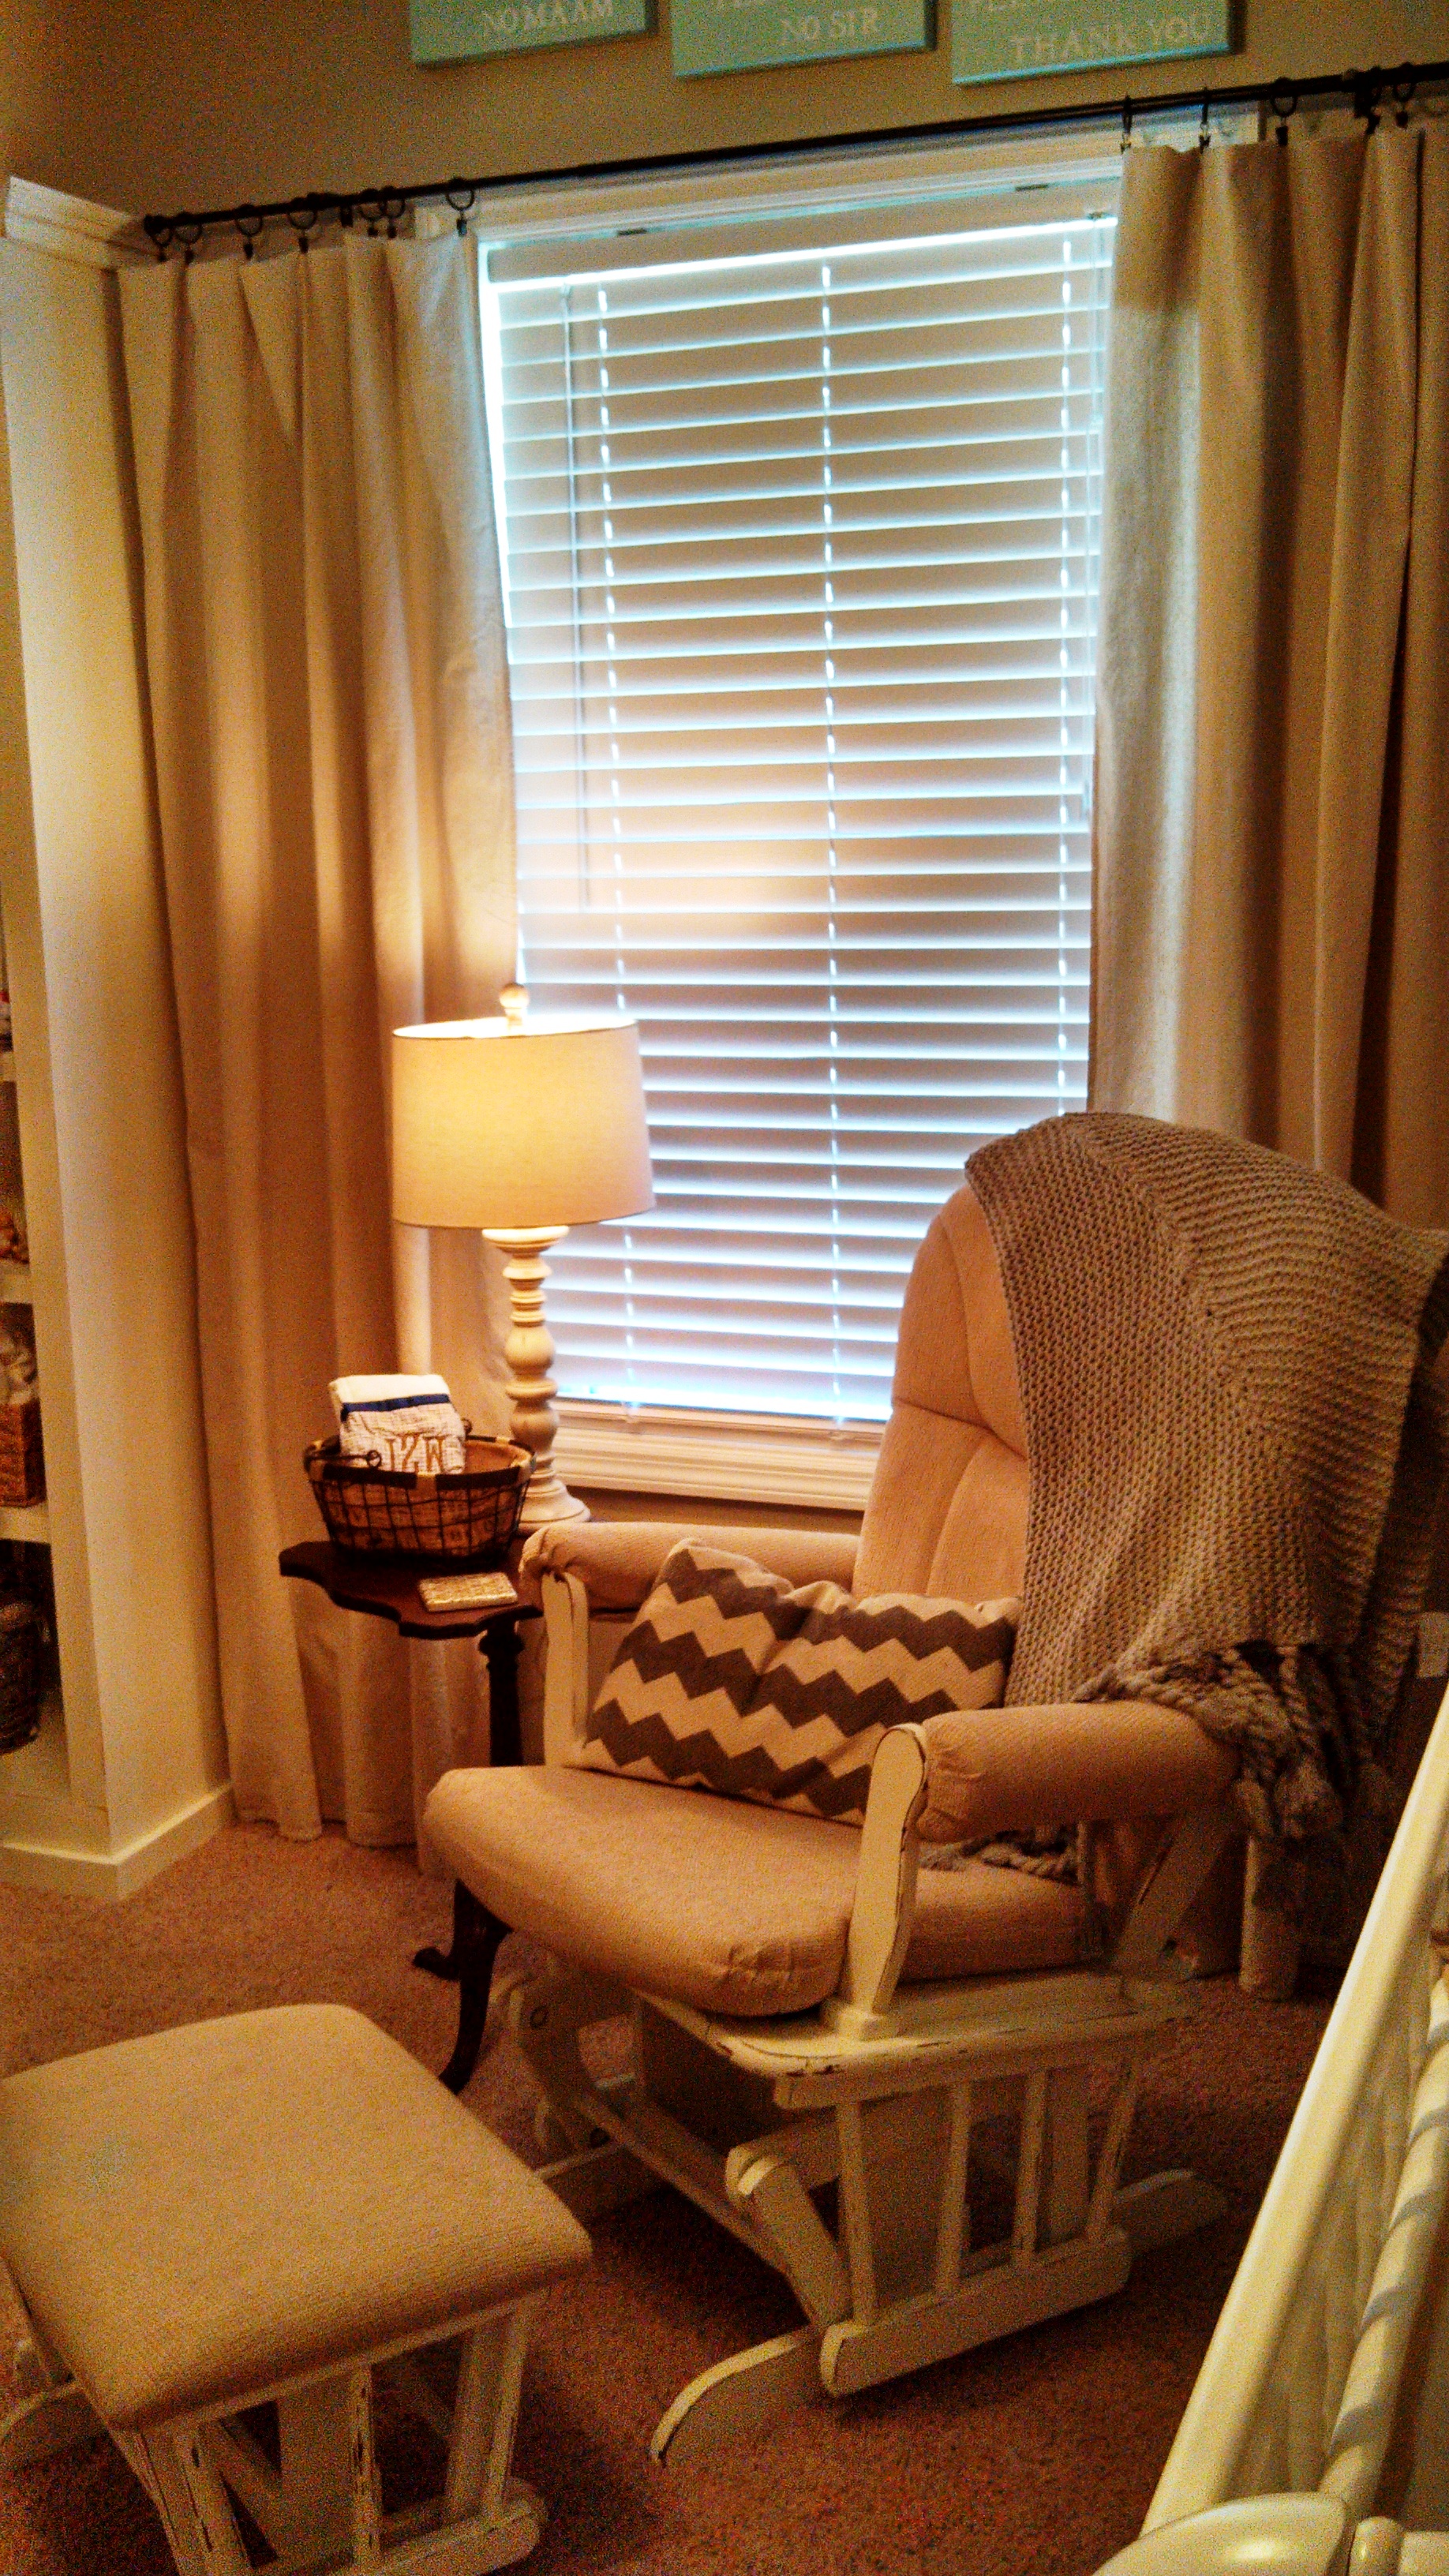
[
  {"x": 329, "y": 701},
  {"x": 1272, "y": 835}
]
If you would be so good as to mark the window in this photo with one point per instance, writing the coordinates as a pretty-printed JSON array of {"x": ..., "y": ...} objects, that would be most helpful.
[{"x": 800, "y": 522}]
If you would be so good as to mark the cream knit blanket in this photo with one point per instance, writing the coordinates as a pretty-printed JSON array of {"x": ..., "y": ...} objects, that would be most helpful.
[{"x": 1236, "y": 1450}]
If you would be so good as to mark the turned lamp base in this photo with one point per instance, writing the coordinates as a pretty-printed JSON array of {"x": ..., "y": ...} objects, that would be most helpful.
[{"x": 529, "y": 1353}]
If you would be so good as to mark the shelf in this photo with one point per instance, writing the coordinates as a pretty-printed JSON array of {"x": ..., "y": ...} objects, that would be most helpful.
[
  {"x": 15, "y": 1283},
  {"x": 30, "y": 1522}
]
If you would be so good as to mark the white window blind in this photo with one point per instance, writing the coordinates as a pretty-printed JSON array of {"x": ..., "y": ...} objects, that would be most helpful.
[{"x": 801, "y": 558}]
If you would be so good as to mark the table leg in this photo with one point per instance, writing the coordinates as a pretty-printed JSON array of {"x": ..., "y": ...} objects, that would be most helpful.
[
  {"x": 447, "y": 1963},
  {"x": 500, "y": 1643},
  {"x": 477, "y": 1935}
]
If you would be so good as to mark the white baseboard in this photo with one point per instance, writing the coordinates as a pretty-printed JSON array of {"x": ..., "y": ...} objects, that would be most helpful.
[{"x": 116, "y": 1874}]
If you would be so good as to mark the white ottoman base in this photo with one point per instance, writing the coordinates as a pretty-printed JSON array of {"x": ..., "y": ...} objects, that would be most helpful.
[{"x": 324, "y": 2499}]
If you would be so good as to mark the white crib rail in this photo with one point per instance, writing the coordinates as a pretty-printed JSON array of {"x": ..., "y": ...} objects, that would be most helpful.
[
  {"x": 1366, "y": 2411},
  {"x": 1300, "y": 2381}
]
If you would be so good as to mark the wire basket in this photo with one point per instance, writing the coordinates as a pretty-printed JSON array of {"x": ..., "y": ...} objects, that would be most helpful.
[
  {"x": 464, "y": 1519},
  {"x": 20, "y": 1673},
  {"x": 22, "y": 1456}
]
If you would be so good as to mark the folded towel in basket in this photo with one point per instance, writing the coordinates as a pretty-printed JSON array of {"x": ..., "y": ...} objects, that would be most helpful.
[{"x": 405, "y": 1422}]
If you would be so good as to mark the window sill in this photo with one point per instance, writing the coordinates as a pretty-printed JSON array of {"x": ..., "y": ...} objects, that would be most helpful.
[{"x": 725, "y": 1457}]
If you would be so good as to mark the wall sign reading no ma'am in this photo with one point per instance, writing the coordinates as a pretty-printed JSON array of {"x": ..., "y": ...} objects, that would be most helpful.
[
  {"x": 459, "y": 31},
  {"x": 1001, "y": 39}
]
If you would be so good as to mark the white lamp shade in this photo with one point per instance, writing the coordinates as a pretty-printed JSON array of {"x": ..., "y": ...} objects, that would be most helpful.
[{"x": 515, "y": 1128}]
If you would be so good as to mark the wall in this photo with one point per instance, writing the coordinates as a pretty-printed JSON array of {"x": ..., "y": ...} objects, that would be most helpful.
[{"x": 155, "y": 104}]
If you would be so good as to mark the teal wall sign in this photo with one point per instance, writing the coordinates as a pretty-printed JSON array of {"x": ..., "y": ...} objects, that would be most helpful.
[
  {"x": 460, "y": 31},
  {"x": 1002, "y": 39},
  {"x": 749, "y": 35}
]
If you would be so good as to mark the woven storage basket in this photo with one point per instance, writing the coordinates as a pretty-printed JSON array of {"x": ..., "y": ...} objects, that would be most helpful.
[
  {"x": 467, "y": 1519},
  {"x": 22, "y": 1460},
  {"x": 20, "y": 1672}
]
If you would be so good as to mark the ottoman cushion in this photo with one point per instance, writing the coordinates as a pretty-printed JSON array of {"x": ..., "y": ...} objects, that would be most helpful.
[{"x": 196, "y": 2217}]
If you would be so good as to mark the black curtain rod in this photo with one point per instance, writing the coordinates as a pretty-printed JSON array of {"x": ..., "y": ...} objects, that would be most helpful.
[{"x": 1369, "y": 91}]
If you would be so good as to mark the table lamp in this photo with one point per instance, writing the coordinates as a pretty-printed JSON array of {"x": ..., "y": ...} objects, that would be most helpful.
[{"x": 521, "y": 1128}]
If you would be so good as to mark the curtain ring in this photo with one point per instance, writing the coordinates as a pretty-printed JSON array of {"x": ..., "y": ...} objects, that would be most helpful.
[
  {"x": 1283, "y": 103},
  {"x": 188, "y": 232},
  {"x": 370, "y": 209},
  {"x": 1404, "y": 91},
  {"x": 392, "y": 205},
  {"x": 303, "y": 215},
  {"x": 1204, "y": 131},
  {"x": 347, "y": 214},
  {"x": 157, "y": 229},
  {"x": 462, "y": 198},
  {"x": 1127, "y": 124},
  {"x": 249, "y": 224}
]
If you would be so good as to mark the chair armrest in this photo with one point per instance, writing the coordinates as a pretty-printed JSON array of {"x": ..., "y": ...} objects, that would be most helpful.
[
  {"x": 1080, "y": 1762},
  {"x": 618, "y": 1562},
  {"x": 885, "y": 1883}
]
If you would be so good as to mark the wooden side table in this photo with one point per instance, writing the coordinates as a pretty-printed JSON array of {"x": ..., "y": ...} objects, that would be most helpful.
[{"x": 387, "y": 1588}]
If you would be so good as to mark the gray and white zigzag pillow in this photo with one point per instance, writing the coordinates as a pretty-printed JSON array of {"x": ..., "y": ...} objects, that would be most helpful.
[{"x": 729, "y": 1680}]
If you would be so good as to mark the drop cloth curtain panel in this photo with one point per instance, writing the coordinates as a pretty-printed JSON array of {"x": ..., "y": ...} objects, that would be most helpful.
[
  {"x": 1272, "y": 838},
  {"x": 328, "y": 691}
]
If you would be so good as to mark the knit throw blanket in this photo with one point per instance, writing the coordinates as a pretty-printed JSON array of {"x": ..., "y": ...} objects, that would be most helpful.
[{"x": 1236, "y": 1451}]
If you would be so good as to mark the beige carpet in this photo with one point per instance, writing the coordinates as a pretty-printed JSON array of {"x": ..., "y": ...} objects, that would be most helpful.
[{"x": 1031, "y": 2456}]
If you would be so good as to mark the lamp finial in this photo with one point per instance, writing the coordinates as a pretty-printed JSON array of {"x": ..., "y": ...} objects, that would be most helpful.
[{"x": 514, "y": 1003}]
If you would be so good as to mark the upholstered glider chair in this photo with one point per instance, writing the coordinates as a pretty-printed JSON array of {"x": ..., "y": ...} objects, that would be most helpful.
[{"x": 810, "y": 2007}]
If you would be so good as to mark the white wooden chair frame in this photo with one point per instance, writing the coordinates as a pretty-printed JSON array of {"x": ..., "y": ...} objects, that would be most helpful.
[
  {"x": 1317, "y": 2434},
  {"x": 880, "y": 2091},
  {"x": 321, "y": 2506}
]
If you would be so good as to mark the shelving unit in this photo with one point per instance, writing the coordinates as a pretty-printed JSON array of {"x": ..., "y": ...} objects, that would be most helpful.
[{"x": 128, "y": 1768}]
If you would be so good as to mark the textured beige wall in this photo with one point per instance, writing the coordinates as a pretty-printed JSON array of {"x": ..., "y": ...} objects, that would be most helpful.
[{"x": 155, "y": 104}]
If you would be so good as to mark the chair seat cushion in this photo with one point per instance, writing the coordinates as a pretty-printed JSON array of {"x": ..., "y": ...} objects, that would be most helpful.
[
  {"x": 730, "y": 1680},
  {"x": 194, "y": 2217},
  {"x": 733, "y": 1908}
]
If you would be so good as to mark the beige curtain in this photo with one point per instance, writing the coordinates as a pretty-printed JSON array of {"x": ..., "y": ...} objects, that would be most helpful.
[
  {"x": 329, "y": 702},
  {"x": 1272, "y": 891}
]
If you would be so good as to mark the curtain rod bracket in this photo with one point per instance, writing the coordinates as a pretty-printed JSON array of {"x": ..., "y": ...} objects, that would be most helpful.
[{"x": 1368, "y": 89}]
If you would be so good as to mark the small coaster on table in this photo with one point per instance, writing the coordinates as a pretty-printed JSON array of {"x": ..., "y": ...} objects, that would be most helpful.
[{"x": 466, "y": 1592}]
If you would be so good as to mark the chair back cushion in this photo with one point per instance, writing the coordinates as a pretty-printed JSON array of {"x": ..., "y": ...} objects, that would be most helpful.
[
  {"x": 946, "y": 1515},
  {"x": 729, "y": 1680}
]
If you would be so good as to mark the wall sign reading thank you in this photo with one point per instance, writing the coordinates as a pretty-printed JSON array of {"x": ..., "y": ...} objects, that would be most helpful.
[
  {"x": 1001, "y": 39},
  {"x": 460, "y": 31}
]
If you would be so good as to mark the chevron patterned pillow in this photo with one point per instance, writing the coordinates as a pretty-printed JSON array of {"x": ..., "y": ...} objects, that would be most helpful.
[{"x": 729, "y": 1680}]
